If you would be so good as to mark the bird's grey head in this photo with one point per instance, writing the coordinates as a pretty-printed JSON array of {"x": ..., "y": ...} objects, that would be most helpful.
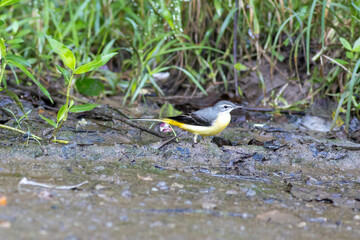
[{"x": 225, "y": 106}]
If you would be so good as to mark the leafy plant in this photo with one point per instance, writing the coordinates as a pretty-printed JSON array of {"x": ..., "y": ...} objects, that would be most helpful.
[
  {"x": 69, "y": 61},
  {"x": 352, "y": 67}
]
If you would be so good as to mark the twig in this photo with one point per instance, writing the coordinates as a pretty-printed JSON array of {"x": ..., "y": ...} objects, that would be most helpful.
[
  {"x": 135, "y": 125},
  {"x": 25, "y": 181},
  {"x": 162, "y": 143}
]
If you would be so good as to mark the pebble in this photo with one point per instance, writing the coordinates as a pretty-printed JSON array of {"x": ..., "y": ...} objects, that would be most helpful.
[
  {"x": 177, "y": 185},
  {"x": 207, "y": 190},
  {"x": 188, "y": 202},
  {"x": 208, "y": 206},
  {"x": 250, "y": 193},
  {"x": 163, "y": 186},
  {"x": 126, "y": 194},
  {"x": 99, "y": 168},
  {"x": 318, "y": 220},
  {"x": 232, "y": 192},
  {"x": 301, "y": 224},
  {"x": 124, "y": 218}
]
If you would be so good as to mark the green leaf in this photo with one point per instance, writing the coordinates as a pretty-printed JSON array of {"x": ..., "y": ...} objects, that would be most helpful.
[
  {"x": 18, "y": 59},
  {"x": 49, "y": 121},
  {"x": 62, "y": 112},
  {"x": 279, "y": 56},
  {"x": 22, "y": 68},
  {"x": 167, "y": 110},
  {"x": 25, "y": 115},
  {"x": 64, "y": 52},
  {"x": 89, "y": 86},
  {"x": 17, "y": 100},
  {"x": 15, "y": 41},
  {"x": 83, "y": 108},
  {"x": 346, "y": 44},
  {"x": 65, "y": 73},
  {"x": 341, "y": 61},
  {"x": 192, "y": 78},
  {"x": 4, "y": 3},
  {"x": 349, "y": 55},
  {"x": 240, "y": 67},
  {"x": 97, "y": 62},
  {"x": 2, "y": 48},
  {"x": 1, "y": 23},
  {"x": 108, "y": 46},
  {"x": 356, "y": 47}
]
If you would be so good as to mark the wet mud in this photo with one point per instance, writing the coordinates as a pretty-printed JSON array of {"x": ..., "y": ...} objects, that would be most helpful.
[{"x": 250, "y": 182}]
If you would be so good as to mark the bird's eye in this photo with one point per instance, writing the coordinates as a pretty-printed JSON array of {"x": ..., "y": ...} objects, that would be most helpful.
[{"x": 225, "y": 106}]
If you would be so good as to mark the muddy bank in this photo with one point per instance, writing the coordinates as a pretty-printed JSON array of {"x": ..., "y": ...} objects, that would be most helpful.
[{"x": 267, "y": 184}]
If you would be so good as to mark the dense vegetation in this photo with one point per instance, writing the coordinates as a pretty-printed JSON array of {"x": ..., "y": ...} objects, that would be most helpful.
[{"x": 317, "y": 42}]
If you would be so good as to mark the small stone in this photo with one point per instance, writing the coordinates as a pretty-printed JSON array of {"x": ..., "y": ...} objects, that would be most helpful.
[
  {"x": 99, "y": 168},
  {"x": 5, "y": 224},
  {"x": 162, "y": 186},
  {"x": 207, "y": 190},
  {"x": 357, "y": 217},
  {"x": 154, "y": 189},
  {"x": 99, "y": 187},
  {"x": 126, "y": 194},
  {"x": 156, "y": 224},
  {"x": 250, "y": 193},
  {"x": 124, "y": 218},
  {"x": 301, "y": 224},
  {"x": 177, "y": 185},
  {"x": 318, "y": 220},
  {"x": 232, "y": 192},
  {"x": 208, "y": 206},
  {"x": 188, "y": 202}
]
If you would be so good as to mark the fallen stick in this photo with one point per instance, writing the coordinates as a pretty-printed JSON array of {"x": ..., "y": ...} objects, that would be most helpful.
[{"x": 25, "y": 181}]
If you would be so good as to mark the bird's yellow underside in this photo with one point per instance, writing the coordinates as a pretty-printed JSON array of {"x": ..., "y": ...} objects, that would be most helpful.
[{"x": 218, "y": 125}]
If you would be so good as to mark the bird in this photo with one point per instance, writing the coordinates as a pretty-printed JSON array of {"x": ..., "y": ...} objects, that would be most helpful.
[{"x": 204, "y": 122}]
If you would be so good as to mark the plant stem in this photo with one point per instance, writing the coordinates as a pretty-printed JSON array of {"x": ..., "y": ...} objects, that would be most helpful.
[
  {"x": 20, "y": 131},
  {"x": 67, "y": 106},
  {"x": 2, "y": 69},
  {"x": 68, "y": 94}
]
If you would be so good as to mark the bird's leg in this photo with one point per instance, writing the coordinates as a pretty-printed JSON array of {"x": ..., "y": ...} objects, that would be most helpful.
[{"x": 195, "y": 138}]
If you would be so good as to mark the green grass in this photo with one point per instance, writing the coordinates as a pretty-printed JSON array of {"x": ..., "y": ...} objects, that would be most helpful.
[{"x": 192, "y": 40}]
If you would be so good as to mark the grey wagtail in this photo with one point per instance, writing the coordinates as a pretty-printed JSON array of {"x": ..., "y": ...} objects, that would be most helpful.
[{"x": 204, "y": 122}]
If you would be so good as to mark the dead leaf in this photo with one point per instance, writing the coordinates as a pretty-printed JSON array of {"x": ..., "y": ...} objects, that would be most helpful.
[{"x": 148, "y": 178}]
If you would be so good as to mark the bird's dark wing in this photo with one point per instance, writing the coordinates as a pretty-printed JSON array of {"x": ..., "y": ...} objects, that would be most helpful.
[{"x": 192, "y": 119}]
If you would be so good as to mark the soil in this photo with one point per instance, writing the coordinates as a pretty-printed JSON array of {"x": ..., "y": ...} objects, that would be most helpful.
[{"x": 268, "y": 181}]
